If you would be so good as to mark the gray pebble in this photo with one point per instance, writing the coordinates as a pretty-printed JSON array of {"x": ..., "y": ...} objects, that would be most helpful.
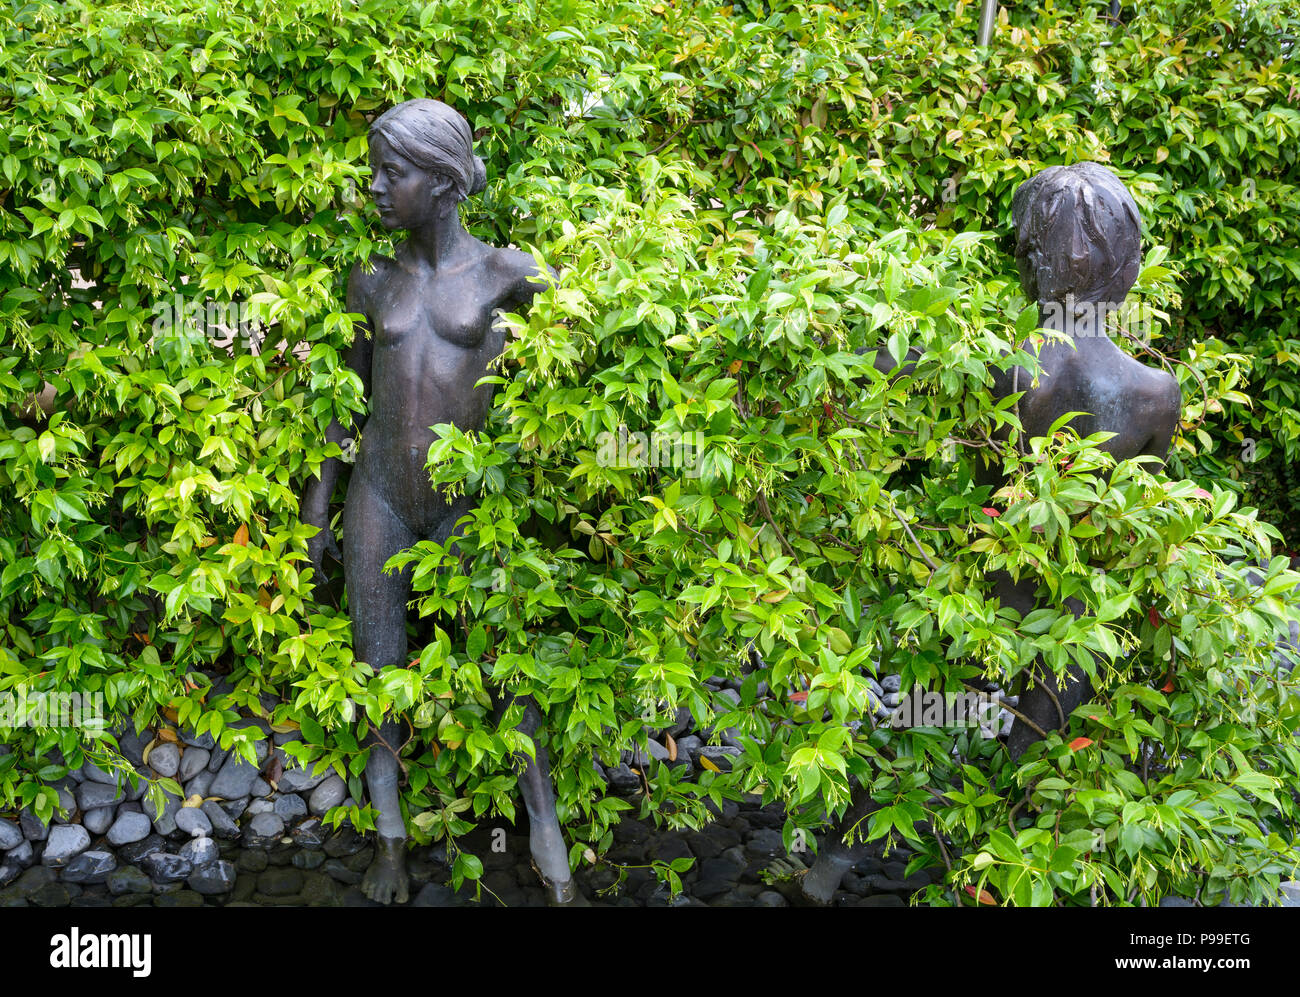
[
  {"x": 267, "y": 826},
  {"x": 128, "y": 879},
  {"x": 164, "y": 822},
  {"x": 164, "y": 867},
  {"x": 234, "y": 780},
  {"x": 222, "y": 825},
  {"x": 260, "y": 807},
  {"x": 201, "y": 742},
  {"x": 719, "y": 754},
  {"x": 93, "y": 795},
  {"x": 310, "y": 833},
  {"x": 194, "y": 761},
  {"x": 135, "y": 852},
  {"x": 213, "y": 879},
  {"x": 217, "y": 760},
  {"x": 193, "y": 822},
  {"x": 127, "y": 828},
  {"x": 329, "y": 793},
  {"x": 688, "y": 746},
  {"x": 11, "y": 835},
  {"x": 67, "y": 802},
  {"x": 23, "y": 856},
  {"x": 622, "y": 779},
  {"x": 290, "y": 806},
  {"x": 90, "y": 868},
  {"x": 234, "y": 808},
  {"x": 134, "y": 793},
  {"x": 90, "y": 771},
  {"x": 296, "y": 780},
  {"x": 259, "y": 788},
  {"x": 99, "y": 820},
  {"x": 199, "y": 852},
  {"x": 66, "y": 842},
  {"x": 132, "y": 746},
  {"x": 165, "y": 759},
  {"x": 200, "y": 785}
]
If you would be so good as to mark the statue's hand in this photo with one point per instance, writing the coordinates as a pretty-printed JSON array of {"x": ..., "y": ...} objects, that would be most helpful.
[{"x": 315, "y": 511}]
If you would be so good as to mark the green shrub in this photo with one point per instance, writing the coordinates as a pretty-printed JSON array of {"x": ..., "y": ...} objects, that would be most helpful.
[{"x": 737, "y": 201}]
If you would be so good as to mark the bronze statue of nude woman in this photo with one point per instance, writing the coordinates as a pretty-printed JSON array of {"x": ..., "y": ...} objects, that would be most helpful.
[
  {"x": 1078, "y": 251},
  {"x": 429, "y": 335}
]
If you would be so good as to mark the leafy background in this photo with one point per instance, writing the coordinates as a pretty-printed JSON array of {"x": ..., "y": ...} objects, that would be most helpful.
[{"x": 738, "y": 199}]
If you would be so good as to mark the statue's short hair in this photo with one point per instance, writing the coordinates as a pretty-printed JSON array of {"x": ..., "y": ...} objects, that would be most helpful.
[
  {"x": 1077, "y": 232},
  {"x": 435, "y": 137}
]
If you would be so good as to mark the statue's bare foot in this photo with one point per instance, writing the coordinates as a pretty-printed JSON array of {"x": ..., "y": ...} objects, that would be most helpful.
[
  {"x": 821, "y": 881},
  {"x": 551, "y": 863},
  {"x": 562, "y": 894},
  {"x": 385, "y": 881}
]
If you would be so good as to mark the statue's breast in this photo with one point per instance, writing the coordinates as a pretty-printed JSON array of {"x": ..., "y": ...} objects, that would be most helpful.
[
  {"x": 420, "y": 322},
  {"x": 409, "y": 312}
]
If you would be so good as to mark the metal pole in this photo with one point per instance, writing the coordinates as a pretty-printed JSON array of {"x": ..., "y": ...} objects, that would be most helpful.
[{"x": 988, "y": 18}]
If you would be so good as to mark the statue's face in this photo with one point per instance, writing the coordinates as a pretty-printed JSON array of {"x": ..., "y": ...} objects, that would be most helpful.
[
  {"x": 1028, "y": 267},
  {"x": 407, "y": 196}
]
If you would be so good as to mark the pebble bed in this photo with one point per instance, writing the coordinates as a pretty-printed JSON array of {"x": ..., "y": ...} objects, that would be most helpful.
[{"x": 246, "y": 842}]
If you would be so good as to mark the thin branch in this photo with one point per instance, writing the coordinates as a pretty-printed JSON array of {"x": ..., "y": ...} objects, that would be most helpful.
[
  {"x": 919, "y": 549},
  {"x": 761, "y": 501},
  {"x": 1012, "y": 710},
  {"x": 1055, "y": 702}
]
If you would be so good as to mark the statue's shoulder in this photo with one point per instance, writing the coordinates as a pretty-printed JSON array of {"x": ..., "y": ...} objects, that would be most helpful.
[
  {"x": 517, "y": 272},
  {"x": 513, "y": 263},
  {"x": 365, "y": 276}
]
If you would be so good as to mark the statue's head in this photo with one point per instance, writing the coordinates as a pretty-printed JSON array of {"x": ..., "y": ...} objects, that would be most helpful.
[
  {"x": 422, "y": 163},
  {"x": 1077, "y": 233}
]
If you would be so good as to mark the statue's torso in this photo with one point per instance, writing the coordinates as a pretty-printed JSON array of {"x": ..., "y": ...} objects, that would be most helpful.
[
  {"x": 1119, "y": 395},
  {"x": 433, "y": 338}
]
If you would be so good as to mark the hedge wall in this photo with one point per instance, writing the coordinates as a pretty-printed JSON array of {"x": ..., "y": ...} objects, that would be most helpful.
[{"x": 737, "y": 199}]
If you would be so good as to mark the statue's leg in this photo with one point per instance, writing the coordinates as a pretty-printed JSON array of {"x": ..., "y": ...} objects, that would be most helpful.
[
  {"x": 1040, "y": 701},
  {"x": 835, "y": 857},
  {"x": 550, "y": 857},
  {"x": 377, "y": 605}
]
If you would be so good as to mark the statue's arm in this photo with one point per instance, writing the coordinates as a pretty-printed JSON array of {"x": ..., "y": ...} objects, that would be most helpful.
[
  {"x": 524, "y": 280},
  {"x": 1163, "y": 409},
  {"x": 314, "y": 508}
]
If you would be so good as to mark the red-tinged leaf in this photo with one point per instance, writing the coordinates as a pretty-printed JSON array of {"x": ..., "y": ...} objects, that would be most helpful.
[
  {"x": 1154, "y": 617},
  {"x": 798, "y": 697},
  {"x": 984, "y": 896},
  {"x": 1202, "y": 493},
  {"x": 1168, "y": 686},
  {"x": 1080, "y": 742},
  {"x": 241, "y": 535},
  {"x": 988, "y": 510},
  {"x": 274, "y": 772}
]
